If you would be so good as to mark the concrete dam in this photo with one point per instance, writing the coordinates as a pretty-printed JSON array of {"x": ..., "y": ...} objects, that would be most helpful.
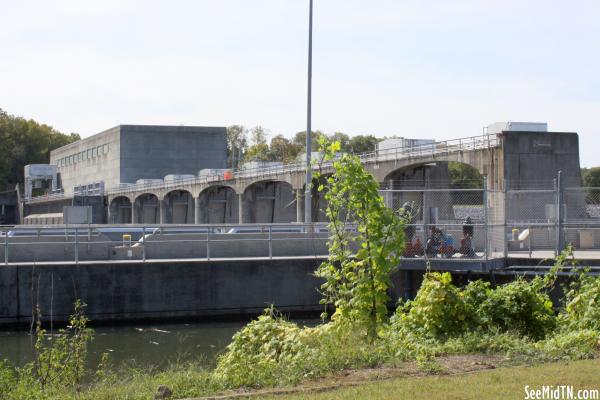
[{"x": 232, "y": 245}]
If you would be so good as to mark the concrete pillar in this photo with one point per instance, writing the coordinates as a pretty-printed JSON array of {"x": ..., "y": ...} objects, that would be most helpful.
[
  {"x": 190, "y": 210},
  {"x": 240, "y": 208},
  {"x": 299, "y": 214},
  {"x": 197, "y": 213},
  {"x": 163, "y": 210},
  {"x": 133, "y": 221},
  {"x": 109, "y": 214}
]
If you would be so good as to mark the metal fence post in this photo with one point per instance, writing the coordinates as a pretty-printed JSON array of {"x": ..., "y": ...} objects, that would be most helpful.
[
  {"x": 270, "y": 241},
  {"x": 485, "y": 216},
  {"x": 559, "y": 214},
  {"x": 76, "y": 247},
  {"x": 505, "y": 225}
]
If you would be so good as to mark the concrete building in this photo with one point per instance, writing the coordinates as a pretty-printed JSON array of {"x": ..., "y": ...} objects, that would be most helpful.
[{"x": 127, "y": 153}]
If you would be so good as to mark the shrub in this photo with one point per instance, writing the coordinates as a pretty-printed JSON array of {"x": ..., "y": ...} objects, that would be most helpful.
[
  {"x": 520, "y": 306},
  {"x": 439, "y": 309},
  {"x": 582, "y": 309}
]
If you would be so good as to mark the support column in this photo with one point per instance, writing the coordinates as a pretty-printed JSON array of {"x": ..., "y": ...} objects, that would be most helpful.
[
  {"x": 299, "y": 206},
  {"x": 163, "y": 210},
  {"x": 197, "y": 214},
  {"x": 240, "y": 208},
  {"x": 133, "y": 213},
  {"x": 108, "y": 213}
]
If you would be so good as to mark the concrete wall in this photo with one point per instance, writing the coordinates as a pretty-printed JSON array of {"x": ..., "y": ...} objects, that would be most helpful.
[
  {"x": 96, "y": 167},
  {"x": 159, "y": 290},
  {"x": 534, "y": 157},
  {"x": 532, "y": 161},
  {"x": 152, "y": 152},
  {"x": 9, "y": 210}
]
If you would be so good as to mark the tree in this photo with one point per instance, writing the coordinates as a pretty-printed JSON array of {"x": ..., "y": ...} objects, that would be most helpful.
[
  {"x": 300, "y": 140},
  {"x": 464, "y": 176},
  {"x": 356, "y": 282},
  {"x": 258, "y": 152},
  {"x": 282, "y": 149},
  {"x": 344, "y": 141},
  {"x": 26, "y": 142},
  {"x": 590, "y": 177},
  {"x": 258, "y": 135},
  {"x": 362, "y": 143},
  {"x": 237, "y": 144}
]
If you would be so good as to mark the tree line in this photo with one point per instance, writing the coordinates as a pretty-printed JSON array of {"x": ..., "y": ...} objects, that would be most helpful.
[
  {"x": 25, "y": 141},
  {"x": 252, "y": 144}
]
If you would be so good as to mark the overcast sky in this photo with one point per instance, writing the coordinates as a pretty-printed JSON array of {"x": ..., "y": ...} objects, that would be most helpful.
[{"x": 424, "y": 69}]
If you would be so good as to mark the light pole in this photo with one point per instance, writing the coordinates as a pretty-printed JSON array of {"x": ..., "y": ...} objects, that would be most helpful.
[{"x": 308, "y": 194}]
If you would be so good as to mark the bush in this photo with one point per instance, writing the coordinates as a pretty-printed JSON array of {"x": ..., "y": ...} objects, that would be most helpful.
[
  {"x": 582, "y": 309},
  {"x": 520, "y": 306},
  {"x": 439, "y": 310},
  {"x": 253, "y": 356}
]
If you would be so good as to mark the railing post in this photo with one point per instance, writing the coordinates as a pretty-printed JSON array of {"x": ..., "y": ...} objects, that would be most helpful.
[
  {"x": 530, "y": 237},
  {"x": 144, "y": 244},
  {"x": 485, "y": 216},
  {"x": 76, "y": 247},
  {"x": 6, "y": 247},
  {"x": 208, "y": 228},
  {"x": 270, "y": 241}
]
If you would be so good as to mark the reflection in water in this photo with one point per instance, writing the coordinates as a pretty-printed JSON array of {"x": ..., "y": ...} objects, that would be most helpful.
[{"x": 142, "y": 345}]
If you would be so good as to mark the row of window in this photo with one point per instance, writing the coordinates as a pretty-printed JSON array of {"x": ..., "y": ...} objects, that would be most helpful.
[{"x": 82, "y": 156}]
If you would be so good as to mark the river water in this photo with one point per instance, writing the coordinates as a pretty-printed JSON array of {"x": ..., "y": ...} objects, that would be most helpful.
[{"x": 139, "y": 345}]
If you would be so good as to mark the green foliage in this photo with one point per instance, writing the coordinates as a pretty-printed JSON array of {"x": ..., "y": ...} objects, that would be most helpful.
[
  {"x": 464, "y": 176},
  {"x": 237, "y": 145},
  {"x": 582, "y": 304},
  {"x": 362, "y": 144},
  {"x": 273, "y": 351},
  {"x": 258, "y": 152},
  {"x": 315, "y": 137},
  {"x": 283, "y": 149},
  {"x": 520, "y": 306},
  {"x": 361, "y": 260},
  {"x": 442, "y": 310},
  {"x": 60, "y": 361},
  {"x": 439, "y": 309},
  {"x": 26, "y": 142},
  {"x": 590, "y": 177},
  {"x": 252, "y": 357}
]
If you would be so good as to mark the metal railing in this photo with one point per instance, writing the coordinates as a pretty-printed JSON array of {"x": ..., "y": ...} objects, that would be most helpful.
[{"x": 94, "y": 243}]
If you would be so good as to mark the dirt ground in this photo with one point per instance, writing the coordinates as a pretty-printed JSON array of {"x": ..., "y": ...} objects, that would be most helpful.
[{"x": 446, "y": 365}]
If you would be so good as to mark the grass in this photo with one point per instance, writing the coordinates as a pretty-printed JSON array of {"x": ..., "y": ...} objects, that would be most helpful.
[{"x": 501, "y": 383}]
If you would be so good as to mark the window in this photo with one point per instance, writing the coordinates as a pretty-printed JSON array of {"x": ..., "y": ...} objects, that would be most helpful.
[
  {"x": 99, "y": 150},
  {"x": 83, "y": 155},
  {"x": 94, "y": 152},
  {"x": 105, "y": 149},
  {"x": 89, "y": 154}
]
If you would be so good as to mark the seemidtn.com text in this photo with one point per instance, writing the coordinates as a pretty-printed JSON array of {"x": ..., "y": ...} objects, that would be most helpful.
[{"x": 560, "y": 392}]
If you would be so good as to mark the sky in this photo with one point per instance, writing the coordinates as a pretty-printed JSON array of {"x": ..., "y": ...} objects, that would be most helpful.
[{"x": 419, "y": 69}]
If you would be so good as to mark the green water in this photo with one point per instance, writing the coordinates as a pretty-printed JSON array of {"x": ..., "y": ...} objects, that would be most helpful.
[{"x": 140, "y": 345}]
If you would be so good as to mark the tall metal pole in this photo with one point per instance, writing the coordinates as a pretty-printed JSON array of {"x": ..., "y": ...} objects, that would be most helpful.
[{"x": 307, "y": 195}]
